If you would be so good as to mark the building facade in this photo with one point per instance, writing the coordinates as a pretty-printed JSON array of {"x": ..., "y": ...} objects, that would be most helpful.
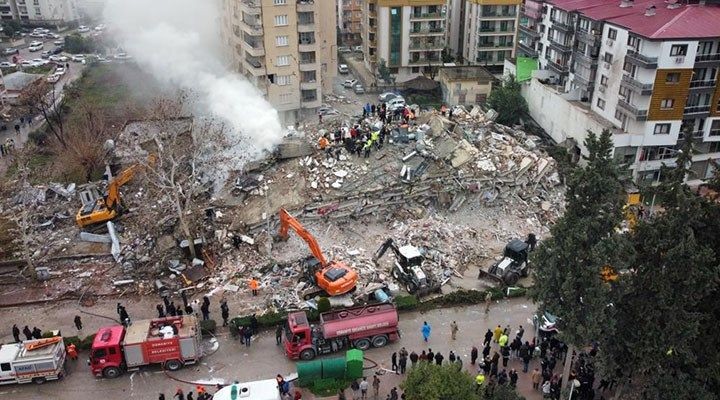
[
  {"x": 40, "y": 11},
  {"x": 465, "y": 85},
  {"x": 647, "y": 70},
  {"x": 490, "y": 31},
  {"x": 286, "y": 48},
  {"x": 408, "y": 35},
  {"x": 350, "y": 21}
]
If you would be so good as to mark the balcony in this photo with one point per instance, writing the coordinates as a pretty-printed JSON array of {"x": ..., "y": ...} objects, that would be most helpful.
[
  {"x": 305, "y": 26},
  {"x": 253, "y": 7},
  {"x": 588, "y": 37},
  {"x": 485, "y": 45},
  {"x": 644, "y": 61},
  {"x": 254, "y": 28},
  {"x": 531, "y": 13},
  {"x": 561, "y": 47},
  {"x": 308, "y": 85},
  {"x": 529, "y": 51},
  {"x": 585, "y": 59},
  {"x": 439, "y": 45},
  {"x": 428, "y": 16},
  {"x": 707, "y": 58},
  {"x": 644, "y": 89},
  {"x": 495, "y": 30},
  {"x": 583, "y": 81},
  {"x": 255, "y": 49},
  {"x": 529, "y": 30},
  {"x": 254, "y": 66},
  {"x": 308, "y": 65},
  {"x": 425, "y": 60},
  {"x": 306, "y": 5},
  {"x": 702, "y": 84},
  {"x": 561, "y": 25},
  {"x": 498, "y": 15},
  {"x": 427, "y": 31},
  {"x": 558, "y": 67},
  {"x": 308, "y": 45},
  {"x": 636, "y": 113},
  {"x": 697, "y": 111}
]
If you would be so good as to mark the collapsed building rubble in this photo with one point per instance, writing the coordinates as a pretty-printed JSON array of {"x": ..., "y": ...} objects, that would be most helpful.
[{"x": 427, "y": 177}]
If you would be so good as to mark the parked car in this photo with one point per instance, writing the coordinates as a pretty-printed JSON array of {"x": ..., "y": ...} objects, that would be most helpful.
[
  {"x": 344, "y": 49},
  {"x": 57, "y": 50},
  {"x": 40, "y": 61},
  {"x": 396, "y": 103},
  {"x": 60, "y": 71},
  {"x": 359, "y": 89},
  {"x": 27, "y": 64},
  {"x": 53, "y": 78},
  {"x": 10, "y": 51},
  {"x": 122, "y": 56},
  {"x": 7, "y": 64},
  {"x": 387, "y": 96},
  {"x": 45, "y": 54},
  {"x": 350, "y": 83},
  {"x": 52, "y": 36},
  {"x": 83, "y": 28},
  {"x": 357, "y": 49},
  {"x": 343, "y": 69},
  {"x": 78, "y": 57},
  {"x": 59, "y": 42},
  {"x": 35, "y": 47},
  {"x": 100, "y": 27}
]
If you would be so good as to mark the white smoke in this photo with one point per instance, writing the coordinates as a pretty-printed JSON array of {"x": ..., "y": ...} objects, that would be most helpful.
[{"x": 179, "y": 43}]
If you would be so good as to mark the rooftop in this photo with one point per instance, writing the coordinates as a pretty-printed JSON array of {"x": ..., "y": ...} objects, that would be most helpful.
[
  {"x": 18, "y": 81},
  {"x": 467, "y": 73},
  {"x": 684, "y": 21}
]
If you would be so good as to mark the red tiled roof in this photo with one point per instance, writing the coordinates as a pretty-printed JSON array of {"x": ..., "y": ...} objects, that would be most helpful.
[{"x": 684, "y": 22}]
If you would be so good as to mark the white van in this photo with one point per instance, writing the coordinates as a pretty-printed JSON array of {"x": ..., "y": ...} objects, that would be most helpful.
[
  {"x": 259, "y": 390},
  {"x": 34, "y": 361},
  {"x": 343, "y": 69}
]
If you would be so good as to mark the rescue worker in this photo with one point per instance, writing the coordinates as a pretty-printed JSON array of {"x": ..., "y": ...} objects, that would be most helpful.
[
  {"x": 36, "y": 333},
  {"x": 224, "y": 311},
  {"x": 453, "y": 329},
  {"x": 375, "y": 138},
  {"x": 367, "y": 147},
  {"x": 254, "y": 286},
  {"x": 78, "y": 322},
  {"x": 278, "y": 334},
  {"x": 72, "y": 351},
  {"x": 323, "y": 143},
  {"x": 479, "y": 380},
  {"x": 27, "y": 333},
  {"x": 16, "y": 333}
]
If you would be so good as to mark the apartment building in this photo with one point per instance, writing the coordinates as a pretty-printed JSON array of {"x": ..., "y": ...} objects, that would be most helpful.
[
  {"x": 409, "y": 35},
  {"x": 646, "y": 70},
  {"x": 286, "y": 48},
  {"x": 40, "y": 11},
  {"x": 490, "y": 31},
  {"x": 350, "y": 20}
]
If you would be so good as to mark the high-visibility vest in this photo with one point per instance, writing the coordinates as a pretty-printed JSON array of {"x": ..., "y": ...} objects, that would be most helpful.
[{"x": 480, "y": 379}]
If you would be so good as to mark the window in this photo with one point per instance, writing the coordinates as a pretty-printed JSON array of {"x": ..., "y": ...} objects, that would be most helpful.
[
  {"x": 601, "y": 104},
  {"x": 279, "y": 2},
  {"x": 630, "y": 68},
  {"x": 282, "y": 80},
  {"x": 462, "y": 98},
  {"x": 281, "y": 20},
  {"x": 662, "y": 129},
  {"x": 633, "y": 42},
  {"x": 281, "y": 41},
  {"x": 622, "y": 118},
  {"x": 5, "y": 367},
  {"x": 667, "y": 104},
  {"x": 678, "y": 50},
  {"x": 480, "y": 98},
  {"x": 99, "y": 353},
  {"x": 612, "y": 33},
  {"x": 112, "y": 350},
  {"x": 37, "y": 11},
  {"x": 672, "y": 77},
  {"x": 584, "y": 24},
  {"x": 415, "y": 70},
  {"x": 282, "y": 61},
  {"x": 285, "y": 98},
  {"x": 624, "y": 93},
  {"x": 715, "y": 128},
  {"x": 603, "y": 80},
  {"x": 608, "y": 58}
]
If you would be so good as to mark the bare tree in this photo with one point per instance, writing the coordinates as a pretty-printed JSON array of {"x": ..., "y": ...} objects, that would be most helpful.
[
  {"x": 84, "y": 145},
  {"x": 177, "y": 153},
  {"x": 44, "y": 99}
]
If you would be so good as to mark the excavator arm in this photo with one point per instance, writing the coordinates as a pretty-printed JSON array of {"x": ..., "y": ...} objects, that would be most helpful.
[
  {"x": 388, "y": 244},
  {"x": 287, "y": 221},
  {"x": 114, "y": 187}
]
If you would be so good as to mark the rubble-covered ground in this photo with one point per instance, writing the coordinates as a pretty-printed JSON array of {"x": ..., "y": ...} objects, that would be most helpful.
[{"x": 458, "y": 188}]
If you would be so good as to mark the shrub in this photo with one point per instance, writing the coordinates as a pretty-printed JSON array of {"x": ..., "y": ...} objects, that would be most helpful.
[
  {"x": 38, "y": 137},
  {"x": 406, "y": 302},
  {"x": 323, "y": 305},
  {"x": 208, "y": 326},
  {"x": 328, "y": 386}
]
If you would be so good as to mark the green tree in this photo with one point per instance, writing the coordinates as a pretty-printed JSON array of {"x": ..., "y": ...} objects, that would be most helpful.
[
  {"x": 668, "y": 306},
  {"x": 507, "y": 100},
  {"x": 430, "y": 381},
  {"x": 384, "y": 72},
  {"x": 11, "y": 27},
  {"x": 76, "y": 44}
]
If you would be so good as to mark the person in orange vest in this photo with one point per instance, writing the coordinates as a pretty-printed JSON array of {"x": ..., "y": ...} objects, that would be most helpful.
[
  {"x": 254, "y": 286},
  {"x": 72, "y": 351},
  {"x": 323, "y": 143}
]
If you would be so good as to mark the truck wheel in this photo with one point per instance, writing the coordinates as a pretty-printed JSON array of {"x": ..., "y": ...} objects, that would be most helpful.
[
  {"x": 411, "y": 287},
  {"x": 362, "y": 344},
  {"x": 307, "y": 354},
  {"x": 511, "y": 278},
  {"x": 379, "y": 341},
  {"x": 111, "y": 372},
  {"x": 38, "y": 381},
  {"x": 173, "y": 365},
  {"x": 396, "y": 274}
]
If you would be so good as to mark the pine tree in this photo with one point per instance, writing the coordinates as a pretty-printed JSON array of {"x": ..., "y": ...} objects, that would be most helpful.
[{"x": 507, "y": 100}]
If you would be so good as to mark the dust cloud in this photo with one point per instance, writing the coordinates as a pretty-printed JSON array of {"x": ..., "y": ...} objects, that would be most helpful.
[{"x": 179, "y": 43}]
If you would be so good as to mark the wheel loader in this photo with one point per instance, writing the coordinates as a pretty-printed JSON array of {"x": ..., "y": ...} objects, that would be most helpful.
[{"x": 408, "y": 268}]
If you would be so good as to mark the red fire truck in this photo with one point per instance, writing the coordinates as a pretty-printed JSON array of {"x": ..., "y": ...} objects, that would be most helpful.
[
  {"x": 359, "y": 327},
  {"x": 171, "y": 341}
]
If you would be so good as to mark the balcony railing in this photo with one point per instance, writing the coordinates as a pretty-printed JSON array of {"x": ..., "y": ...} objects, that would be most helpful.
[
  {"x": 697, "y": 110},
  {"x": 562, "y": 47},
  {"x": 707, "y": 57},
  {"x": 495, "y": 14},
  {"x": 714, "y": 132},
  {"x": 588, "y": 37},
  {"x": 427, "y": 46},
  {"x": 636, "y": 113},
  {"x": 427, "y": 30},
  {"x": 702, "y": 84},
  {"x": 643, "y": 88},
  {"x": 529, "y": 30},
  {"x": 561, "y": 25},
  {"x": 558, "y": 67},
  {"x": 644, "y": 61},
  {"x": 435, "y": 15},
  {"x": 485, "y": 45},
  {"x": 582, "y": 80},
  {"x": 584, "y": 59},
  {"x": 425, "y": 60},
  {"x": 530, "y": 51}
]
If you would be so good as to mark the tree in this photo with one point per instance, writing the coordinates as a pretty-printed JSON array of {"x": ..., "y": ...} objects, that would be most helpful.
[
  {"x": 11, "y": 27},
  {"x": 431, "y": 381},
  {"x": 567, "y": 266},
  {"x": 507, "y": 100},
  {"x": 384, "y": 72},
  {"x": 85, "y": 145},
  {"x": 77, "y": 44},
  {"x": 178, "y": 156},
  {"x": 668, "y": 307},
  {"x": 42, "y": 98}
]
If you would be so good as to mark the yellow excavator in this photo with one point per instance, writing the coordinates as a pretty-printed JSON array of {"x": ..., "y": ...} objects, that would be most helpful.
[{"x": 107, "y": 207}]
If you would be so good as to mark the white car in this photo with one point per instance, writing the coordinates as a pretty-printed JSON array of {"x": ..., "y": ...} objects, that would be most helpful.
[
  {"x": 350, "y": 83},
  {"x": 52, "y": 36},
  {"x": 78, "y": 57},
  {"x": 100, "y": 27},
  {"x": 387, "y": 96},
  {"x": 396, "y": 104},
  {"x": 60, "y": 71},
  {"x": 359, "y": 89},
  {"x": 36, "y": 47},
  {"x": 27, "y": 64},
  {"x": 60, "y": 59},
  {"x": 7, "y": 64},
  {"x": 40, "y": 61},
  {"x": 37, "y": 35},
  {"x": 83, "y": 28},
  {"x": 122, "y": 56},
  {"x": 343, "y": 68},
  {"x": 53, "y": 78},
  {"x": 59, "y": 42}
]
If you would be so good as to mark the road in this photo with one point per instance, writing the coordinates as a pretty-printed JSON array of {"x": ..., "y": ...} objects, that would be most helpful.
[{"x": 263, "y": 360}]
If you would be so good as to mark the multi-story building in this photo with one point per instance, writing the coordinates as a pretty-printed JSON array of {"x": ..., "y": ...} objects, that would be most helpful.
[
  {"x": 408, "y": 35},
  {"x": 286, "y": 48},
  {"x": 39, "y": 11},
  {"x": 647, "y": 70},
  {"x": 490, "y": 31},
  {"x": 350, "y": 21}
]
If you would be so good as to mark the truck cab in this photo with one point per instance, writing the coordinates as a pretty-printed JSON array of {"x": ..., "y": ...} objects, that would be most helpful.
[
  {"x": 106, "y": 358},
  {"x": 298, "y": 337}
]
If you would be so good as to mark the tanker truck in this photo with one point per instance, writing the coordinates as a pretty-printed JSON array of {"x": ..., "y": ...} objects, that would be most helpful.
[
  {"x": 170, "y": 341},
  {"x": 360, "y": 327}
]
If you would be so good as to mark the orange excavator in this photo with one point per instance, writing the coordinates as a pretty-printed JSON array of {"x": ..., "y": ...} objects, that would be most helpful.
[
  {"x": 107, "y": 207},
  {"x": 331, "y": 277}
]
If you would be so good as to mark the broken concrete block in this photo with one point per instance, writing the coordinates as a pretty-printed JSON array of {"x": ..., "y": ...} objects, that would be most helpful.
[
  {"x": 340, "y": 173},
  {"x": 247, "y": 239},
  {"x": 92, "y": 237}
]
